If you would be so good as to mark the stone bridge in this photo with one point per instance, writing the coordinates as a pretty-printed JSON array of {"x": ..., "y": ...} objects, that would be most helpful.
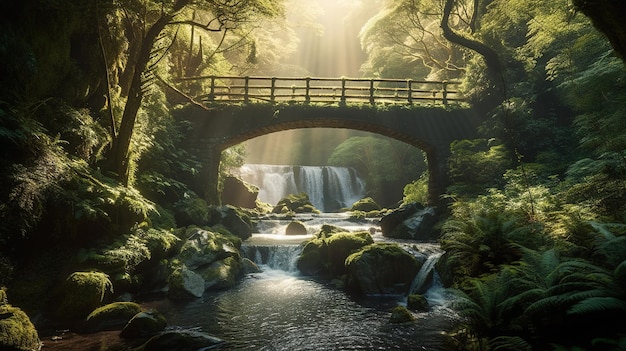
[{"x": 429, "y": 128}]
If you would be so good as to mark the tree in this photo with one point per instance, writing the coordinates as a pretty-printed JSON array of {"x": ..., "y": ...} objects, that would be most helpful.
[
  {"x": 607, "y": 17},
  {"x": 146, "y": 30}
]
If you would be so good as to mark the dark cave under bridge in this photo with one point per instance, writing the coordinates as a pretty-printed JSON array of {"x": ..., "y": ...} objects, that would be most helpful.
[{"x": 427, "y": 115}]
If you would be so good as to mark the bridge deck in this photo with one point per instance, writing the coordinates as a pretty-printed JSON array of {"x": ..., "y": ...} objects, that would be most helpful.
[{"x": 324, "y": 90}]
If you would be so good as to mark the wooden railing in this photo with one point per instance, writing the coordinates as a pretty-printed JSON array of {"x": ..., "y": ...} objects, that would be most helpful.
[{"x": 326, "y": 90}]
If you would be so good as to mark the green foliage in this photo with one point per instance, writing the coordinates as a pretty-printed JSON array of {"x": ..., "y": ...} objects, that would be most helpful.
[
  {"x": 416, "y": 191},
  {"x": 478, "y": 164}
]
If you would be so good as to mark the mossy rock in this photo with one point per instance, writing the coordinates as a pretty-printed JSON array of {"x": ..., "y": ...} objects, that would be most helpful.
[
  {"x": 342, "y": 245},
  {"x": 298, "y": 203},
  {"x": 366, "y": 205},
  {"x": 144, "y": 324},
  {"x": 417, "y": 302},
  {"x": 328, "y": 229},
  {"x": 382, "y": 268},
  {"x": 326, "y": 256},
  {"x": 184, "y": 284},
  {"x": 17, "y": 332},
  {"x": 295, "y": 228},
  {"x": 111, "y": 317},
  {"x": 81, "y": 293},
  {"x": 401, "y": 314},
  {"x": 222, "y": 274}
]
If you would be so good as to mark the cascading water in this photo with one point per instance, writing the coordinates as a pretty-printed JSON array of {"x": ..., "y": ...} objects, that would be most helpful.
[{"x": 329, "y": 188}]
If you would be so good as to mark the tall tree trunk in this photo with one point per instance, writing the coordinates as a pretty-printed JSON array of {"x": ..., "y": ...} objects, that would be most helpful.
[
  {"x": 121, "y": 145},
  {"x": 496, "y": 91}
]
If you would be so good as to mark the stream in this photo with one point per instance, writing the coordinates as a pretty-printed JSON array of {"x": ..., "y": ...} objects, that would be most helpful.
[{"x": 280, "y": 309}]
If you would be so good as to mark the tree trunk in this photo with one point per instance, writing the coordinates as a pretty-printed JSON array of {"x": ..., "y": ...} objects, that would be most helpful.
[
  {"x": 494, "y": 66},
  {"x": 121, "y": 145},
  {"x": 608, "y": 17}
]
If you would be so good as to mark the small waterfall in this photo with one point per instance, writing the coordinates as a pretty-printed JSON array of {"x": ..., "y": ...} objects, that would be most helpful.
[
  {"x": 278, "y": 257},
  {"x": 329, "y": 188},
  {"x": 418, "y": 286}
]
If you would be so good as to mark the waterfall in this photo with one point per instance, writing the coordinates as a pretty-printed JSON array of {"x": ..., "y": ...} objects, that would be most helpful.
[
  {"x": 329, "y": 188},
  {"x": 426, "y": 272},
  {"x": 279, "y": 257}
]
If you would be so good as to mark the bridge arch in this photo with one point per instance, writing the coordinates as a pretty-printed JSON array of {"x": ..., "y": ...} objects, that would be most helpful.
[{"x": 429, "y": 129}]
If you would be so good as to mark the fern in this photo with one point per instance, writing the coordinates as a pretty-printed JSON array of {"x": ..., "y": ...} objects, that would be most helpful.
[
  {"x": 507, "y": 343},
  {"x": 597, "y": 304}
]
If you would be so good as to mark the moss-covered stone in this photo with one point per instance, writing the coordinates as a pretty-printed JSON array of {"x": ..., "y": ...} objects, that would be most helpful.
[
  {"x": 381, "y": 268},
  {"x": 143, "y": 324},
  {"x": 366, "y": 205},
  {"x": 81, "y": 293},
  {"x": 17, "y": 332},
  {"x": 184, "y": 283},
  {"x": 401, "y": 314},
  {"x": 222, "y": 274},
  {"x": 111, "y": 316},
  {"x": 298, "y": 203},
  {"x": 237, "y": 222},
  {"x": 326, "y": 256},
  {"x": 181, "y": 340},
  {"x": 417, "y": 302},
  {"x": 204, "y": 247}
]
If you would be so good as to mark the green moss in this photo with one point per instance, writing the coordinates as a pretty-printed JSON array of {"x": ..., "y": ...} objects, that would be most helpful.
[
  {"x": 17, "y": 332},
  {"x": 114, "y": 315},
  {"x": 416, "y": 302},
  {"x": 81, "y": 293},
  {"x": 401, "y": 314},
  {"x": 327, "y": 255},
  {"x": 366, "y": 204}
]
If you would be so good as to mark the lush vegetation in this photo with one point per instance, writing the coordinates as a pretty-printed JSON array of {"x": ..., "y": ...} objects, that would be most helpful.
[{"x": 95, "y": 165}]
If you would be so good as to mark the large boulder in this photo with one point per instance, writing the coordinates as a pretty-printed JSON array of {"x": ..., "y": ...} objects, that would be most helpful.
[
  {"x": 184, "y": 283},
  {"x": 382, "y": 268},
  {"x": 295, "y": 228},
  {"x": 233, "y": 220},
  {"x": 144, "y": 324},
  {"x": 204, "y": 247},
  {"x": 112, "y": 316},
  {"x": 298, "y": 203},
  {"x": 17, "y": 332},
  {"x": 221, "y": 274},
  {"x": 325, "y": 256},
  {"x": 366, "y": 205},
  {"x": 412, "y": 221},
  {"x": 238, "y": 193},
  {"x": 81, "y": 293}
]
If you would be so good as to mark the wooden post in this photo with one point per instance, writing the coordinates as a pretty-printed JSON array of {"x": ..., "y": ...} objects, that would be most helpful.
[
  {"x": 273, "y": 90},
  {"x": 409, "y": 91},
  {"x": 246, "y": 87},
  {"x": 343, "y": 91},
  {"x": 212, "y": 92},
  {"x": 307, "y": 96},
  {"x": 445, "y": 92},
  {"x": 372, "y": 100}
]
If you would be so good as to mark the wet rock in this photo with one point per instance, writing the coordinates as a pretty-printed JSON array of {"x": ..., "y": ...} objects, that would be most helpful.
[
  {"x": 110, "y": 317},
  {"x": 295, "y": 228},
  {"x": 204, "y": 247},
  {"x": 401, "y": 314},
  {"x": 326, "y": 256},
  {"x": 221, "y": 274},
  {"x": 233, "y": 220},
  {"x": 417, "y": 302},
  {"x": 382, "y": 268},
  {"x": 185, "y": 284},
  {"x": 144, "y": 324},
  {"x": 239, "y": 193},
  {"x": 412, "y": 221},
  {"x": 366, "y": 205}
]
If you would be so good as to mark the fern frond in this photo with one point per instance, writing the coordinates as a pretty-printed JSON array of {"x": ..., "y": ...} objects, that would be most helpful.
[
  {"x": 597, "y": 304},
  {"x": 506, "y": 343}
]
